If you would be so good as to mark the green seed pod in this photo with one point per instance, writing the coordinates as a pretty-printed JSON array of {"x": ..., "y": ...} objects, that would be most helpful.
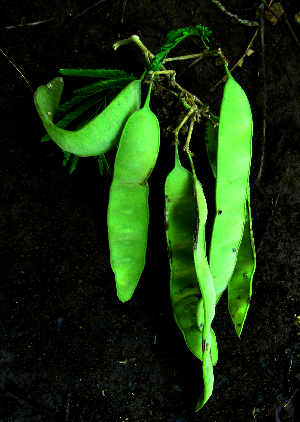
[
  {"x": 180, "y": 222},
  {"x": 233, "y": 168},
  {"x": 240, "y": 284},
  {"x": 128, "y": 210},
  {"x": 200, "y": 324},
  {"x": 206, "y": 307},
  {"x": 99, "y": 135},
  {"x": 127, "y": 221}
]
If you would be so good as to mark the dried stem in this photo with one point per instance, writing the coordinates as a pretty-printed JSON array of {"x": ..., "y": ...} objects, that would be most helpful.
[
  {"x": 262, "y": 37},
  {"x": 186, "y": 147},
  {"x": 242, "y": 21},
  {"x": 241, "y": 59},
  {"x": 17, "y": 69}
]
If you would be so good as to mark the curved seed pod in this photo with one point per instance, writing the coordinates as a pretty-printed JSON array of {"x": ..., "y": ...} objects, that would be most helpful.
[
  {"x": 207, "y": 290},
  {"x": 200, "y": 323},
  {"x": 233, "y": 167},
  {"x": 128, "y": 210},
  {"x": 99, "y": 135},
  {"x": 240, "y": 284},
  {"x": 180, "y": 222}
]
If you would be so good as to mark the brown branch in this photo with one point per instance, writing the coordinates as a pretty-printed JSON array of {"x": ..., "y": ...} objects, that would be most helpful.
[
  {"x": 30, "y": 24},
  {"x": 242, "y": 21},
  {"x": 241, "y": 59}
]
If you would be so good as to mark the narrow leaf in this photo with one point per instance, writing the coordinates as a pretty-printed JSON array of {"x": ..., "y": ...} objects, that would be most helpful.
[
  {"x": 102, "y": 85},
  {"x": 97, "y": 73},
  {"x": 73, "y": 164},
  {"x": 174, "y": 37}
]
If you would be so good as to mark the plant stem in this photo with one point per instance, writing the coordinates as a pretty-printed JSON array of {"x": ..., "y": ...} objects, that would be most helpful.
[{"x": 242, "y": 21}]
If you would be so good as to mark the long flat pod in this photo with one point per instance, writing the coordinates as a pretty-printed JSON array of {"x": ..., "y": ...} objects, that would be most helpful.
[
  {"x": 240, "y": 284},
  {"x": 99, "y": 135},
  {"x": 128, "y": 209},
  {"x": 180, "y": 222},
  {"x": 233, "y": 168},
  {"x": 207, "y": 290}
]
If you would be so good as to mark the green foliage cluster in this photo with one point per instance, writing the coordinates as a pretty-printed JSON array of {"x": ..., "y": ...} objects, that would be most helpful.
[{"x": 174, "y": 38}]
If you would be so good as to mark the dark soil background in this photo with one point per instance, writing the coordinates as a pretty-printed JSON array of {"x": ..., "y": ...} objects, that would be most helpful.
[{"x": 69, "y": 350}]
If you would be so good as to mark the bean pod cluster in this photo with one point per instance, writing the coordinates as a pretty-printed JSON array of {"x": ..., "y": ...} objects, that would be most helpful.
[{"x": 196, "y": 283}]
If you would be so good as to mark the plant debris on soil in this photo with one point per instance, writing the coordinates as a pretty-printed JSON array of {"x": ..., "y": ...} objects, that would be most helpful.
[{"x": 69, "y": 350}]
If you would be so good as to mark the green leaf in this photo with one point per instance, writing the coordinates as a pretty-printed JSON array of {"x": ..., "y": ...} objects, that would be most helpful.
[
  {"x": 67, "y": 156},
  {"x": 174, "y": 37},
  {"x": 73, "y": 164},
  {"x": 96, "y": 87},
  {"x": 104, "y": 164},
  {"x": 97, "y": 73},
  {"x": 86, "y": 104},
  {"x": 81, "y": 108}
]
